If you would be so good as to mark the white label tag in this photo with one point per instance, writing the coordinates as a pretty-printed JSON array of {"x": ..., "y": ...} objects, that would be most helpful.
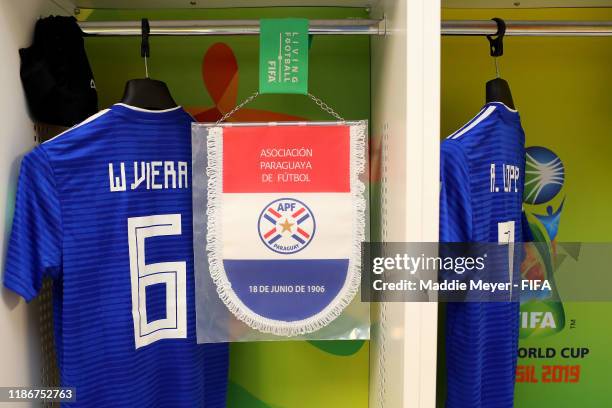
[
  {"x": 505, "y": 236},
  {"x": 505, "y": 232}
]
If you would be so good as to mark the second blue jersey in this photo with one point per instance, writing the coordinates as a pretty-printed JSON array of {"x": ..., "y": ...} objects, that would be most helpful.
[{"x": 482, "y": 173}]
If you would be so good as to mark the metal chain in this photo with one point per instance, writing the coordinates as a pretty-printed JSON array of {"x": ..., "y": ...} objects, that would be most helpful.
[
  {"x": 325, "y": 107},
  {"x": 238, "y": 107}
]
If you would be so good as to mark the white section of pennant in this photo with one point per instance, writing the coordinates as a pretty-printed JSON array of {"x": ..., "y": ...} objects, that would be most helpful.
[{"x": 332, "y": 213}]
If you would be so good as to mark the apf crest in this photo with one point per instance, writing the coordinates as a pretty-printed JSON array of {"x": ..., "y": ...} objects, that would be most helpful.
[{"x": 286, "y": 226}]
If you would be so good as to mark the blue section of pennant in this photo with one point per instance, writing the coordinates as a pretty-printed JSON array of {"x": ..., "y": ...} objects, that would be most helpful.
[{"x": 286, "y": 290}]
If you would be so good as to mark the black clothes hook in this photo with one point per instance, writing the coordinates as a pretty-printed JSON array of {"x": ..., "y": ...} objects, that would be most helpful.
[
  {"x": 144, "y": 43},
  {"x": 147, "y": 93},
  {"x": 498, "y": 89},
  {"x": 497, "y": 44}
]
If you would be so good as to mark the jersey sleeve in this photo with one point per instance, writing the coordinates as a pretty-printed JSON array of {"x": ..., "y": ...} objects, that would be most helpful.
[
  {"x": 34, "y": 249},
  {"x": 455, "y": 202}
]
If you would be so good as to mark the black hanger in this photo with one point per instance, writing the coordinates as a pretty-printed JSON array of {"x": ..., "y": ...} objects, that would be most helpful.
[
  {"x": 498, "y": 89},
  {"x": 147, "y": 93}
]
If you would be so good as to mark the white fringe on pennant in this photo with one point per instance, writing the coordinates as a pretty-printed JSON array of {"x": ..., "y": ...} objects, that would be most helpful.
[{"x": 214, "y": 237}]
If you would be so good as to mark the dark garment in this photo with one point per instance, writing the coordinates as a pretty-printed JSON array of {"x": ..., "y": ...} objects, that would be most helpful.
[{"x": 56, "y": 74}]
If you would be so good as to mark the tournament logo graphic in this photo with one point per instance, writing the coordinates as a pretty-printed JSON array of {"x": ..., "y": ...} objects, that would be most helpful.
[
  {"x": 542, "y": 314},
  {"x": 286, "y": 226},
  {"x": 544, "y": 175}
]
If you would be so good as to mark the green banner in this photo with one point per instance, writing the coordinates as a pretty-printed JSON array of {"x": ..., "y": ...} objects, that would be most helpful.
[{"x": 283, "y": 56}]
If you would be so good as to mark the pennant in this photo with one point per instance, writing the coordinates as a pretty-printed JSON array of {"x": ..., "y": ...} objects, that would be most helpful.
[{"x": 286, "y": 218}]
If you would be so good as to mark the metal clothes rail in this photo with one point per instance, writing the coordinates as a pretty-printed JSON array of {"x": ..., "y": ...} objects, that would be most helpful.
[
  {"x": 347, "y": 27},
  {"x": 225, "y": 27},
  {"x": 529, "y": 28}
]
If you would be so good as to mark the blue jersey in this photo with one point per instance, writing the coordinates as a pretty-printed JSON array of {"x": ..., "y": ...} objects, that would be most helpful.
[
  {"x": 482, "y": 168},
  {"x": 104, "y": 209}
]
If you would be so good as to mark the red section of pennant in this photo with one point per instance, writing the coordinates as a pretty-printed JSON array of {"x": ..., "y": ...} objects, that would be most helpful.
[{"x": 291, "y": 159}]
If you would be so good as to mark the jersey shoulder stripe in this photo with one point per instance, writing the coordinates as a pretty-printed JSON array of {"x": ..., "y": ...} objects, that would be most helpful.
[
  {"x": 484, "y": 114},
  {"x": 78, "y": 125}
]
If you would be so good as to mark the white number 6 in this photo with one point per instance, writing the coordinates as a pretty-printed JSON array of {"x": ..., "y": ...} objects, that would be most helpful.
[{"x": 172, "y": 274}]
